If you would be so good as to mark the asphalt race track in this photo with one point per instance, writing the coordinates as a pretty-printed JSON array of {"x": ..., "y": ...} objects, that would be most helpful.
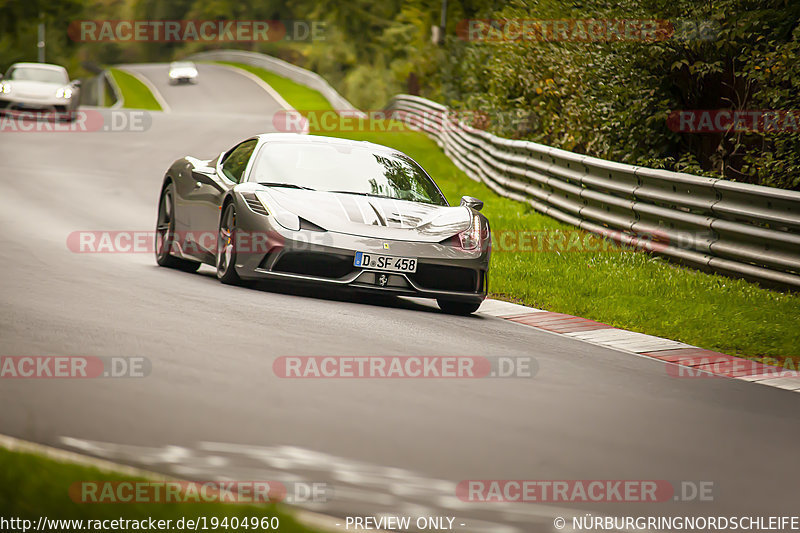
[{"x": 212, "y": 407}]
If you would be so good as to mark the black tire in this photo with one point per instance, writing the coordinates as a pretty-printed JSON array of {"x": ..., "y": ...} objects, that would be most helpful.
[
  {"x": 458, "y": 308},
  {"x": 165, "y": 235},
  {"x": 226, "y": 249}
]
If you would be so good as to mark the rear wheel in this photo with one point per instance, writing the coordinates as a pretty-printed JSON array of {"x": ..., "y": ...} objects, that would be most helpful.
[
  {"x": 165, "y": 234},
  {"x": 458, "y": 308},
  {"x": 226, "y": 251}
]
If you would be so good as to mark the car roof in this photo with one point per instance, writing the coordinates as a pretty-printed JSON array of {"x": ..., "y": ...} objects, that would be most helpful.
[
  {"x": 47, "y": 66},
  {"x": 319, "y": 139}
]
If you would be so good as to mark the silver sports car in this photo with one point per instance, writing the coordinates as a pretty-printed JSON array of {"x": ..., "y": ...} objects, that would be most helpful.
[{"x": 322, "y": 210}]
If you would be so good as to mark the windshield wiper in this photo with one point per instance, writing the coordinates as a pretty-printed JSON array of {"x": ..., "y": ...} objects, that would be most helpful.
[
  {"x": 365, "y": 194},
  {"x": 287, "y": 185}
]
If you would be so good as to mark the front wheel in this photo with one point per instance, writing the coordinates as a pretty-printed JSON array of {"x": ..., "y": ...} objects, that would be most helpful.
[
  {"x": 458, "y": 308},
  {"x": 165, "y": 235},
  {"x": 226, "y": 249}
]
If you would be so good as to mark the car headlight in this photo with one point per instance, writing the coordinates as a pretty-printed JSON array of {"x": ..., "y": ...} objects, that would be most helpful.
[
  {"x": 472, "y": 237},
  {"x": 5, "y": 88},
  {"x": 64, "y": 92},
  {"x": 283, "y": 216}
]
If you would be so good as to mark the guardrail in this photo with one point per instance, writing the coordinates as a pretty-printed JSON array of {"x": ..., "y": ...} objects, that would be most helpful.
[
  {"x": 116, "y": 93},
  {"x": 94, "y": 89},
  {"x": 281, "y": 68},
  {"x": 712, "y": 224}
]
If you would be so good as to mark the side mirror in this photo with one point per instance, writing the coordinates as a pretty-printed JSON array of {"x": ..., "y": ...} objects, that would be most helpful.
[
  {"x": 76, "y": 83},
  {"x": 474, "y": 203}
]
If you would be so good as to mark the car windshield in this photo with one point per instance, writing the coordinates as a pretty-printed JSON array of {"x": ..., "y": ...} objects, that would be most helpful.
[
  {"x": 45, "y": 75},
  {"x": 182, "y": 65},
  {"x": 345, "y": 169}
]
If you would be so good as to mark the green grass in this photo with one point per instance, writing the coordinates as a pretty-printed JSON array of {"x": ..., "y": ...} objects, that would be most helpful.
[
  {"x": 635, "y": 291},
  {"x": 298, "y": 96},
  {"x": 32, "y": 486},
  {"x": 135, "y": 93}
]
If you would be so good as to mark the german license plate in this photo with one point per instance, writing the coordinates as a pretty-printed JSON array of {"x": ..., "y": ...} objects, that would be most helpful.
[{"x": 385, "y": 262}]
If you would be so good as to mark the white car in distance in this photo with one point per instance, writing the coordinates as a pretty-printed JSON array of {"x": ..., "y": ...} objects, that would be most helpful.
[{"x": 182, "y": 72}]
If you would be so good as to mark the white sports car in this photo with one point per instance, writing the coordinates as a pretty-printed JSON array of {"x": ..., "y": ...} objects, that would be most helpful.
[
  {"x": 182, "y": 71},
  {"x": 38, "y": 87}
]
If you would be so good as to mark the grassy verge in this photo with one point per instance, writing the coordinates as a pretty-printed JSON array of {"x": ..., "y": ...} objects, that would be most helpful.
[
  {"x": 135, "y": 93},
  {"x": 32, "y": 486},
  {"x": 629, "y": 290},
  {"x": 298, "y": 96}
]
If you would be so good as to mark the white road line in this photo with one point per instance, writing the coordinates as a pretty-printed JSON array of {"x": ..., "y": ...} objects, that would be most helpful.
[
  {"x": 147, "y": 83},
  {"x": 493, "y": 307},
  {"x": 643, "y": 348},
  {"x": 602, "y": 334},
  {"x": 781, "y": 383},
  {"x": 756, "y": 378}
]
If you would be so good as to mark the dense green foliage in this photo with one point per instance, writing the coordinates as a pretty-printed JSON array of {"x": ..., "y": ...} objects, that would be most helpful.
[
  {"x": 609, "y": 99},
  {"x": 612, "y": 99},
  {"x": 18, "y": 31}
]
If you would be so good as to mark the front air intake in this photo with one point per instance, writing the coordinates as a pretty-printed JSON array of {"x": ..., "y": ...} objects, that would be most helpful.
[
  {"x": 315, "y": 264},
  {"x": 445, "y": 278}
]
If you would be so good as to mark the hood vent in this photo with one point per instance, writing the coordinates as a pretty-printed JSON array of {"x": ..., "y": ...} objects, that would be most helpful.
[{"x": 310, "y": 226}]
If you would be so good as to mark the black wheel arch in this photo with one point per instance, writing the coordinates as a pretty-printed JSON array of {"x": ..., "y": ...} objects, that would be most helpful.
[{"x": 227, "y": 199}]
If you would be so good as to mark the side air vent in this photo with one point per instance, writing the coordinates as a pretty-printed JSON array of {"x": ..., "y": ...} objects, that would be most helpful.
[{"x": 254, "y": 204}]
